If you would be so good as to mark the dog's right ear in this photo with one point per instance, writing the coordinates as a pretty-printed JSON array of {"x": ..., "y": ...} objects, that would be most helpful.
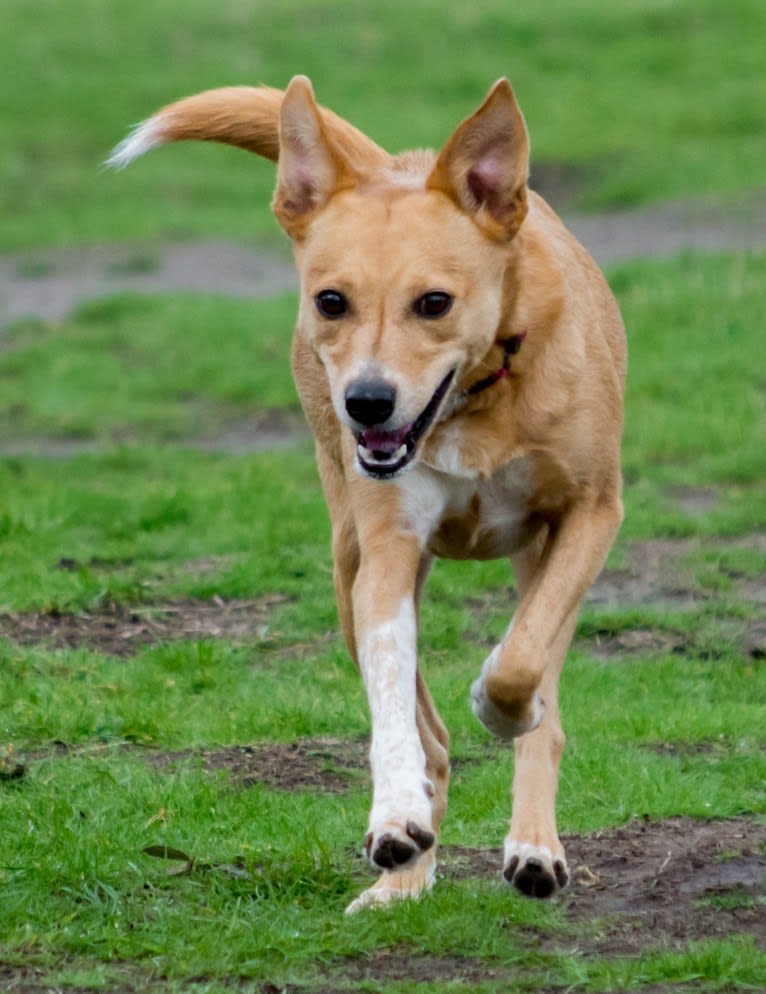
[{"x": 312, "y": 166}]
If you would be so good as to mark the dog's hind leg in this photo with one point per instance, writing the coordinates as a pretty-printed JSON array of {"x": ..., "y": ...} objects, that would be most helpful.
[
  {"x": 507, "y": 698},
  {"x": 534, "y": 859}
]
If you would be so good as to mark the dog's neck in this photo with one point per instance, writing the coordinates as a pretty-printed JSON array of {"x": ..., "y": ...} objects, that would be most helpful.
[{"x": 510, "y": 347}]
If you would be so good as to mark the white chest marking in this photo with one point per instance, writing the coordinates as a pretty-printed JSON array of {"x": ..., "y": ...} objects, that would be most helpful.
[{"x": 428, "y": 495}]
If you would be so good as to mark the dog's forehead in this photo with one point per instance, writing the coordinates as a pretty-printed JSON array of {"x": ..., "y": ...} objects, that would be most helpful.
[{"x": 385, "y": 233}]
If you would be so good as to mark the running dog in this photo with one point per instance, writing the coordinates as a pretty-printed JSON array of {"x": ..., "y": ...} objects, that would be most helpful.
[{"x": 461, "y": 362}]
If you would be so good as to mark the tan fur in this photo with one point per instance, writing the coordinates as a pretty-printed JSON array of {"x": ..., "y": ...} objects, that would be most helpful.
[{"x": 528, "y": 467}]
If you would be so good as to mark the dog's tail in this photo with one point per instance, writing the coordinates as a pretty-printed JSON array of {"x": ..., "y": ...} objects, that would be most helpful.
[{"x": 245, "y": 116}]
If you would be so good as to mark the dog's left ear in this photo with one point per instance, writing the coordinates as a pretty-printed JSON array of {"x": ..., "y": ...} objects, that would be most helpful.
[
  {"x": 311, "y": 165},
  {"x": 485, "y": 164}
]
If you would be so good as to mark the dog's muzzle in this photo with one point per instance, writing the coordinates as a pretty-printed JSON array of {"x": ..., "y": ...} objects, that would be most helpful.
[{"x": 383, "y": 454}]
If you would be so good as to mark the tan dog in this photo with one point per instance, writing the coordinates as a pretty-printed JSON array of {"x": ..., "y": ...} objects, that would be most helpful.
[{"x": 461, "y": 361}]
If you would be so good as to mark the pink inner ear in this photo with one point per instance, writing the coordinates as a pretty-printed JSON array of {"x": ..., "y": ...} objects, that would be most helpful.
[{"x": 485, "y": 179}]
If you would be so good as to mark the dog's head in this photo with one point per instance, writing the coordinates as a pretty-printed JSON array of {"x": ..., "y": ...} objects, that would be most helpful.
[
  {"x": 401, "y": 259},
  {"x": 401, "y": 265}
]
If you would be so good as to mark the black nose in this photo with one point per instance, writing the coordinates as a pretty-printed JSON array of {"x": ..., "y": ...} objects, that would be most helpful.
[{"x": 370, "y": 402}]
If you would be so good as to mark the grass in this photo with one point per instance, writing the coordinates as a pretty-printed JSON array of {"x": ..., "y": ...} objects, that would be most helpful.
[
  {"x": 273, "y": 870},
  {"x": 151, "y": 369},
  {"x": 635, "y": 102},
  {"x": 640, "y": 102}
]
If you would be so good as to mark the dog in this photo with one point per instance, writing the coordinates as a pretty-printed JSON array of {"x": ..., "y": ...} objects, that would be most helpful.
[{"x": 461, "y": 362}]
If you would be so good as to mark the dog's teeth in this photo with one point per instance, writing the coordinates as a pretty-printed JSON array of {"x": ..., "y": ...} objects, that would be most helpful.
[{"x": 371, "y": 457}]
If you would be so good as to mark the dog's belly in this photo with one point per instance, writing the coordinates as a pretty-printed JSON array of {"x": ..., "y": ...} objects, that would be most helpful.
[{"x": 475, "y": 519}]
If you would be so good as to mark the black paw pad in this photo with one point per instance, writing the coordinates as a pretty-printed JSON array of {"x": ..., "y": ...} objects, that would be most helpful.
[
  {"x": 533, "y": 879},
  {"x": 423, "y": 839},
  {"x": 562, "y": 875},
  {"x": 391, "y": 852},
  {"x": 509, "y": 871}
]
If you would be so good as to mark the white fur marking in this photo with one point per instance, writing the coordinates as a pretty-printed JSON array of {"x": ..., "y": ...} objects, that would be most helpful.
[
  {"x": 388, "y": 663},
  {"x": 144, "y": 137}
]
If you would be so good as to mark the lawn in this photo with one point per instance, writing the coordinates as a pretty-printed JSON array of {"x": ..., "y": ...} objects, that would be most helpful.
[
  {"x": 626, "y": 103},
  {"x": 183, "y": 781},
  {"x": 237, "y": 747}
]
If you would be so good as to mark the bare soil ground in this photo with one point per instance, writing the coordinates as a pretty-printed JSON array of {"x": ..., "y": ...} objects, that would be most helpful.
[
  {"x": 120, "y": 630},
  {"x": 653, "y": 883}
]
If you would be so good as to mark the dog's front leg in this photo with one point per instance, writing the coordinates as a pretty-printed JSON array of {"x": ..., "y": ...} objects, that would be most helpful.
[{"x": 402, "y": 827}]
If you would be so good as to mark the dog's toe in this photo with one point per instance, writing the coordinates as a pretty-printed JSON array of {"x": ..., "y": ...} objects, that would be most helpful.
[
  {"x": 534, "y": 871},
  {"x": 393, "y": 849}
]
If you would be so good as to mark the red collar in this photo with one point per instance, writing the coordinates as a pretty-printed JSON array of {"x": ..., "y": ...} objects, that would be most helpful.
[{"x": 510, "y": 347}]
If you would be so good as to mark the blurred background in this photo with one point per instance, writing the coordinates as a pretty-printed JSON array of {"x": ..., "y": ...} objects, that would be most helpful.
[{"x": 627, "y": 104}]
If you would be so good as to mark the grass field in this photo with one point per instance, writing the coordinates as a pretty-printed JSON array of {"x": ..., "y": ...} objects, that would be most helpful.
[
  {"x": 129, "y": 727},
  {"x": 183, "y": 784},
  {"x": 626, "y": 103}
]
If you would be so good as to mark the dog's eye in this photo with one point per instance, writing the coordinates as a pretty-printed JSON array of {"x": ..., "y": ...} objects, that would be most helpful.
[
  {"x": 331, "y": 304},
  {"x": 433, "y": 304}
]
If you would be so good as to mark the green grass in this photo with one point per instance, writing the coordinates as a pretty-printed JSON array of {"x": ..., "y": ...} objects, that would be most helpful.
[
  {"x": 81, "y": 901},
  {"x": 645, "y": 99},
  {"x": 633, "y": 102},
  {"x": 152, "y": 369}
]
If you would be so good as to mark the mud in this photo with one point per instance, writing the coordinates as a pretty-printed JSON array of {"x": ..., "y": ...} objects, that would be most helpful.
[
  {"x": 325, "y": 764},
  {"x": 121, "y": 630},
  {"x": 650, "y": 884}
]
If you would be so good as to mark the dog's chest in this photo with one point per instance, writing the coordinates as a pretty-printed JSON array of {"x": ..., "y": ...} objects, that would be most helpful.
[{"x": 460, "y": 517}]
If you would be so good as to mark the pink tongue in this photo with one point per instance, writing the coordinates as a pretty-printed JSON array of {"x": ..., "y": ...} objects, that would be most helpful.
[{"x": 385, "y": 442}]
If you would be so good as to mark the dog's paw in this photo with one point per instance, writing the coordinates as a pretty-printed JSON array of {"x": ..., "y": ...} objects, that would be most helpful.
[
  {"x": 505, "y": 724},
  {"x": 534, "y": 870},
  {"x": 410, "y": 883},
  {"x": 394, "y": 847}
]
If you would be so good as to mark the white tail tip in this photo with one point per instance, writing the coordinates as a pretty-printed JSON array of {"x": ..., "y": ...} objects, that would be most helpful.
[{"x": 144, "y": 137}]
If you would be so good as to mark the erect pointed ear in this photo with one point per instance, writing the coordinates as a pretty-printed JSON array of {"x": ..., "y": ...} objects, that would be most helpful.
[
  {"x": 311, "y": 166},
  {"x": 485, "y": 164}
]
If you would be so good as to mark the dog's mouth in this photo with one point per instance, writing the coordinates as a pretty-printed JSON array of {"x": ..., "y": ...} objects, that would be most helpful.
[{"x": 383, "y": 454}]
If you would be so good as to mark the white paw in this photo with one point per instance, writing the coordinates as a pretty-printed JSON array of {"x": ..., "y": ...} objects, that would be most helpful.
[
  {"x": 534, "y": 870},
  {"x": 505, "y": 726},
  {"x": 410, "y": 884}
]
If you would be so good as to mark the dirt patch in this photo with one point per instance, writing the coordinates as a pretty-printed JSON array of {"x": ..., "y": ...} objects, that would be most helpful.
[
  {"x": 32, "y": 980},
  {"x": 50, "y": 283},
  {"x": 326, "y": 764},
  {"x": 663, "y": 230},
  {"x": 118, "y": 630},
  {"x": 385, "y": 965},
  {"x": 694, "y": 501},
  {"x": 606, "y": 644},
  {"x": 267, "y": 430},
  {"x": 655, "y": 575},
  {"x": 677, "y": 881}
]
